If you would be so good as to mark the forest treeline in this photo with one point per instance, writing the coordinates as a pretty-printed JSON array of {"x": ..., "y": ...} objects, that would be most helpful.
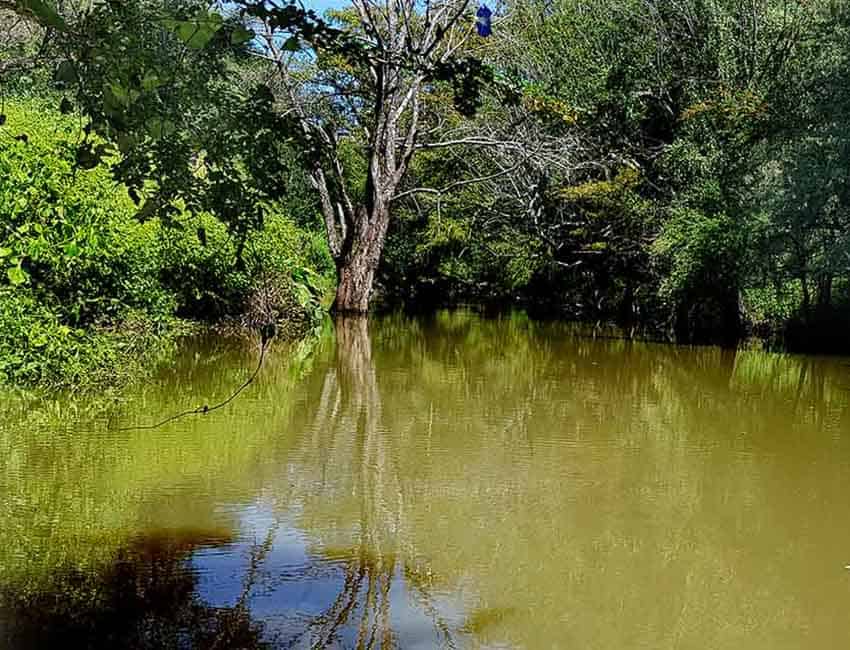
[{"x": 680, "y": 168}]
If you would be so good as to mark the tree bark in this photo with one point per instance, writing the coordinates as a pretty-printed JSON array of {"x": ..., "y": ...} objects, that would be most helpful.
[
  {"x": 807, "y": 300},
  {"x": 825, "y": 291},
  {"x": 358, "y": 262},
  {"x": 354, "y": 286}
]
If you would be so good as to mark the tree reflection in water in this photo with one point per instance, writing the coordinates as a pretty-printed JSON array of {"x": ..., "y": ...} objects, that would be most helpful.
[
  {"x": 147, "y": 598},
  {"x": 153, "y": 594},
  {"x": 348, "y": 422},
  {"x": 450, "y": 482}
]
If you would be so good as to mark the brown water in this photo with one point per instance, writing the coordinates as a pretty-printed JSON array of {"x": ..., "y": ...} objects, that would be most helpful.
[{"x": 450, "y": 481}]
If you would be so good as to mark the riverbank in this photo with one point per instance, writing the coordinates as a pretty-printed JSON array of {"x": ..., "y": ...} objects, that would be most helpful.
[{"x": 39, "y": 355}]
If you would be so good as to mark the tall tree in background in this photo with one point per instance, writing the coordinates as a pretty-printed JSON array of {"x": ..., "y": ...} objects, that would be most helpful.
[{"x": 365, "y": 97}]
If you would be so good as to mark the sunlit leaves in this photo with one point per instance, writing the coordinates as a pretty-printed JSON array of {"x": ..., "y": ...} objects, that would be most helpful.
[
  {"x": 198, "y": 31},
  {"x": 549, "y": 108},
  {"x": 17, "y": 275},
  {"x": 72, "y": 249}
]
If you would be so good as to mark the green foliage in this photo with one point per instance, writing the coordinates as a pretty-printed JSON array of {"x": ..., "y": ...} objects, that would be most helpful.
[
  {"x": 201, "y": 266},
  {"x": 700, "y": 251},
  {"x": 70, "y": 229},
  {"x": 153, "y": 80},
  {"x": 87, "y": 289},
  {"x": 704, "y": 178},
  {"x": 708, "y": 171},
  {"x": 76, "y": 263},
  {"x": 43, "y": 11},
  {"x": 39, "y": 348}
]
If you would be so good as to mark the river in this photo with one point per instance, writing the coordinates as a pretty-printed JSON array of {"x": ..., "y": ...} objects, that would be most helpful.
[{"x": 450, "y": 481}]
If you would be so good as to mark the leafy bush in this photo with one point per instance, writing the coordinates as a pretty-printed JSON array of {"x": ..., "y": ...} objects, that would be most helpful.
[
  {"x": 84, "y": 283},
  {"x": 69, "y": 234},
  {"x": 211, "y": 279},
  {"x": 38, "y": 349},
  {"x": 74, "y": 264}
]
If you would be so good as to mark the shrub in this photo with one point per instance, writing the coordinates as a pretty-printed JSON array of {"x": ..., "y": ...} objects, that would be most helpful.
[
  {"x": 69, "y": 234},
  {"x": 38, "y": 349},
  {"x": 86, "y": 287}
]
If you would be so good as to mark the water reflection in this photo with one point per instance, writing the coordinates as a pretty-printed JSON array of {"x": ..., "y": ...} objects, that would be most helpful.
[
  {"x": 594, "y": 493},
  {"x": 346, "y": 481},
  {"x": 145, "y": 598},
  {"x": 450, "y": 481}
]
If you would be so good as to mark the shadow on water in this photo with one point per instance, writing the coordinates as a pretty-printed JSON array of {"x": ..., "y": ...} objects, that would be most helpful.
[{"x": 146, "y": 598}]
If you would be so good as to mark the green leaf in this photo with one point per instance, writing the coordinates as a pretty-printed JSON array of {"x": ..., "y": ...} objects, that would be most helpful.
[
  {"x": 65, "y": 72},
  {"x": 151, "y": 81},
  {"x": 291, "y": 44},
  {"x": 198, "y": 32},
  {"x": 5, "y": 252},
  {"x": 43, "y": 12},
  {"x": 120, "y": 94},
  {"x": 240, "y": 35},
  {"x": 125, "y": 142},
  {"x": 72, "y": 249},
  {"x": 159, "y": 128},
  {"x": 16, "y": 275}
]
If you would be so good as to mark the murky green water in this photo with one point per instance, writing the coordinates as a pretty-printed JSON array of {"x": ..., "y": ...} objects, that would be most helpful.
[{"x": 442, "y": 482}]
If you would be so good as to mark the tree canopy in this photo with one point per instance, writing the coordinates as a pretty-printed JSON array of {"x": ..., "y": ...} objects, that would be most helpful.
[{"x": 681, "y": 167}]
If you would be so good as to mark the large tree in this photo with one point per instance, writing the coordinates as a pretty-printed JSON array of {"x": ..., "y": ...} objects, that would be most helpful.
[
  {"x": 361, "y": 96},
  {"x": 353, "y": 90}
]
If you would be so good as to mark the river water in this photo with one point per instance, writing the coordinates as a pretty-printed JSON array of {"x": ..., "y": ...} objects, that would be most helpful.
[{"x": 452, "y": 481}]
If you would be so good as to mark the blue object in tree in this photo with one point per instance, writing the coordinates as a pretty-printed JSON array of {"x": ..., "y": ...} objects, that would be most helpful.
[{"x": 482, "y": 22}]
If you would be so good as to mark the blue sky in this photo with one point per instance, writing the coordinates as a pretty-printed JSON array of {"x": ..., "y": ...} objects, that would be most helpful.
[{"x": 320, "y": 6}]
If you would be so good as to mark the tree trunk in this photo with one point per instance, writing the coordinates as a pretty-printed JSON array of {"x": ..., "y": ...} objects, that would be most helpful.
[
  {"x": 357, "y": 264},
  {"x": 824, "y": 291},
  {"x": 354, "y": 287},
  {"x": 807, "y": 300}
]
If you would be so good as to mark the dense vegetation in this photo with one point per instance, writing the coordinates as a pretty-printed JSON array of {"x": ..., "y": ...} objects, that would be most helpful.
[
  {"x": 90, "y": 292},
  {"x": 687, "y": 171},
  {"x": 680, "y": 168}
]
